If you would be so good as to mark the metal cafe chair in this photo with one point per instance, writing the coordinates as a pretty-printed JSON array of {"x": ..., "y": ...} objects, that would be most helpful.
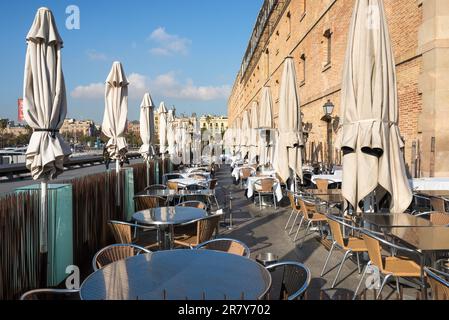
[
  {"x": 311, "y": 216},
  {"x": 123, "y": 233},
  {"x": 145, "y": 202},
  {"x": 51, "y": 294},
  {"x": 295, "y": 209},
  {"x": 193, "y": 204},
  {"x": 293, "y": 283},
  {"x": 245, "y": 173},
  {"x": 349, "y": 245},
  {"x": 390, "y": 266},
  {"x": 439, "y": 283},
  {"x": 265, "y": 187},
  {"x": 115, "y": 252},
  {"x": 232, "y": 246},
  {"x": 204, "y": 231}
]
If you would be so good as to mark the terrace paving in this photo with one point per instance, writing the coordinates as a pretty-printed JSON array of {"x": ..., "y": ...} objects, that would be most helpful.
[{"x": 263, "y": 231}]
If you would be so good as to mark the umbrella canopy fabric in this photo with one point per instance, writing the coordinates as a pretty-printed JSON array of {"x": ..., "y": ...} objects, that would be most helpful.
[
  {"x": 44, "y": 98},
  {"x": 245, "y": 134},
  {"x": 116, "y": 112},
  {"x": 370, "y": 137},
  {"x": 171, "y": 138},
  {"x": 186, "y": 141},
  {"x": 147, "y": 127},
  {"x": 266, "y": 121},
  {"x": 254, "y": 133},
  {"x": 162, "y": 128},
  {"x": 288, "y": 148},
  {"x": 196, "y": 143}
]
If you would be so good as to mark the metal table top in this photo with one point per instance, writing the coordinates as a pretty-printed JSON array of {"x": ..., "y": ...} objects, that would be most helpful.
[
  {"x": 397, "y": 220},
  {"x": 179, "y": 275},
  {"x": 169, "y": 215},
  {"x": 424, "y": 239}
]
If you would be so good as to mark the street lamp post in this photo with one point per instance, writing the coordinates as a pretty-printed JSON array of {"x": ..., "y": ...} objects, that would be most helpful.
[{"x": 328, "y": 110}]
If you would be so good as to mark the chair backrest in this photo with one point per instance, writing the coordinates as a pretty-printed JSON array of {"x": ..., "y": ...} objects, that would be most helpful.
[
  {"x": 439, "y": 283},
  {"x": 115, "y": 253},
  {"x": 374, "y": 250},
  {"x": 172, "y": 185},
  {"x": 226, "y": 245},
  {"x": 438, "y": 204},
  {"x": 295, "y": 279},
  {"x": 336, "y": 231},
  {"x": 170, "y": 176},
  {"x": 149, "y": 202},
  {"x": 306, "y": 208},
  {"x": 193, "y": 204},
  {"x": 51, "y": 294},
  {"x": 265, "y": 184},
  {"x": 206, "y": 228},
  {"x": 122, "y": 231},
  {"x": 246, "y": 172},
  {"x": 439, "y": 218},
  {"x": 322, "y": 184},
  {"x": 156, "y": 187},
  {"x": 292, "y": 199}
]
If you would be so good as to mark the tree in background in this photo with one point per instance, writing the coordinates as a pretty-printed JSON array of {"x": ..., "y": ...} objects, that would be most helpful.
[{"x": 3, "y": 126}]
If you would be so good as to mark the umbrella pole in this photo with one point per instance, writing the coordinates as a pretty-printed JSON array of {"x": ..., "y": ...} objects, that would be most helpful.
[
  {"x": 43, "y": 230},
  {"x": 117, "y": 170},
  {"x": 148, "y": 173}
]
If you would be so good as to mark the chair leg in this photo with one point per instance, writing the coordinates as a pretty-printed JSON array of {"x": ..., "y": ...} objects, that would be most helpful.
[
  {"x": 294, "y": 222},
  {"x": 305, "y": 235},
  {"x": 358, "y": 262},
  {"x": 398, "y": 287},
  {"x": 216, "y": 202},
  {"x": 289, "y": 218},
  {"x": 260, "y": 202},
  {"x": 388, "y": 276},
  {"x": 299, "y": 228},
  {"x": 274, "y": 201},
  {"x": 361, "y": 280},
  {"x": 327, "y": 259},
  {"x": 347, "y": 254}
]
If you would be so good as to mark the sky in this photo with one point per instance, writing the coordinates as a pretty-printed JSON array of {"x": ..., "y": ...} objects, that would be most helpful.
[{"x": 184, "y": 52}]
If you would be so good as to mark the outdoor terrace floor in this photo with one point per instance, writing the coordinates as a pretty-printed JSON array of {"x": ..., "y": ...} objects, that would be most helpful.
[{"x": 263, "y": 231}]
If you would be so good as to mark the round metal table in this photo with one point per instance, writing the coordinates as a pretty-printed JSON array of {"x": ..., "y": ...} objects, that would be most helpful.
[
  {"x": 179, "y": 275},
  {"x": 166, "y": 217}
]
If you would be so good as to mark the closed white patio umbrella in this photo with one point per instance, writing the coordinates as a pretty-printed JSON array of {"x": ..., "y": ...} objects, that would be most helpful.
[
  {"x": 290, "y": 141},
  {"x": 196, "y": 143},
  {"x": 266, "y": 126},
  {"x": 186, "y": 141},
  {"x": 162, "y": 111},
  {"x": 245, "y": 134},
  {"x": 147, "y": 131},
  {"x": 115, "y": 118},
  {"x": 254, "y": 133},
  {"x": 171, "y": 138},
  {"x": 369, "y": 136},
  {"x": 44, "y": 107}
]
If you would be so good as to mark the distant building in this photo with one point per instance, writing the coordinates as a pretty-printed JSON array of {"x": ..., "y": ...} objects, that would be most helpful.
[
  {"x": 134, "y": 127},
  {"x": 78, "y": 127},
  {"x": 215, "y": 124}
]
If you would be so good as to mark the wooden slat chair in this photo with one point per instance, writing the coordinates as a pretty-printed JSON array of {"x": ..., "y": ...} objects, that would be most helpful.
[
  {"x": 226, "y": 245},
  {"x": 349, "y": 245},
  {"x": 263, "y": 187},
  {"x": 311, "y": 216},
  {"x": 322, "y": 184},
  {"x": 149, "y": 202},
  {"x": 115, "y": 253},
  {"x": 295, "y": 209},
  {"x": 173, "y": 185},
  {"x": 204, "y": 231},
  {"x": 188, "y": 229},
  {"x": 294, "y": 279},
  {"x": 438, "y": 204},
  {"x": 212, "y": 187},
  {"x": 436, "y": 217},
  {"x": 439, "y": 283},
  {"x": 245, "y": 173},
  {"x": 389, "y": 266},
  {"x": 124, "y": 234}
]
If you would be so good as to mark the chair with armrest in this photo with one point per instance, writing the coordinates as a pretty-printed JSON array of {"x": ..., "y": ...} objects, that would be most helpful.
[
  {"x": 439, "y": 283},
  {"x": 226, "y": 245},
  {"x": 294, "y": 280},
  {"x": 115, "y": 252}
]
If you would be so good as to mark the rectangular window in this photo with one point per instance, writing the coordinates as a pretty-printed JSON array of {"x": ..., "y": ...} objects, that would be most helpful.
[{"x": 328, "y": 48}]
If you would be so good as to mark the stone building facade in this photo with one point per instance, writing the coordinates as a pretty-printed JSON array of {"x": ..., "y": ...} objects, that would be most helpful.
[{"x": 314, "y": 33}]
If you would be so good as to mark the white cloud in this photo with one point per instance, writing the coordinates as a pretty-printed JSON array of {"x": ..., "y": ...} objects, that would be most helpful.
[
  {"x": 91, "y": 91},
  {"x": 165, "y": 86},
  {"x": 168, "y": 44},
  {"x": 96, "y": 56}
]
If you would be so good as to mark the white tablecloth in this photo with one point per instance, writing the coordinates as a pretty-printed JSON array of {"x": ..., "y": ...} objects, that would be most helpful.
[
  {"x": 429, "y": 184},
  {"x": 252, "y": 181},
  {"x": 206, "y": 174},
  {"x": 333, "y": 178}
]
